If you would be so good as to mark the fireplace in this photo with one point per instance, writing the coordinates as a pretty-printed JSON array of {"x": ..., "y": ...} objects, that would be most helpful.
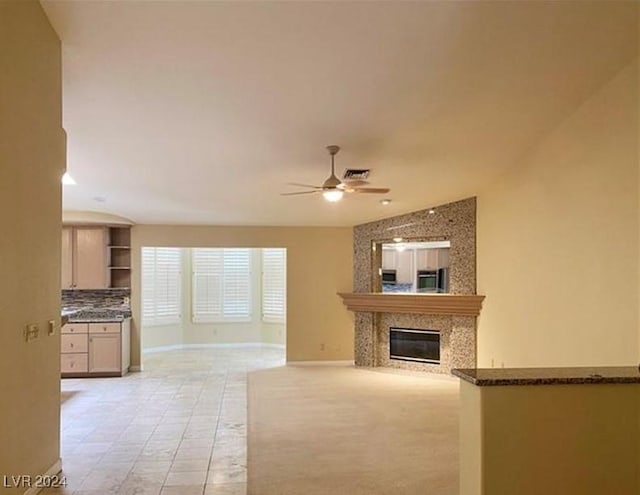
[{"x": 412, "y": 344}]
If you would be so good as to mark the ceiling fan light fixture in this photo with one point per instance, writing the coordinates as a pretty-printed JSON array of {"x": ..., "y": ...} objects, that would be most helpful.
[{"x": 333, "y": 195}]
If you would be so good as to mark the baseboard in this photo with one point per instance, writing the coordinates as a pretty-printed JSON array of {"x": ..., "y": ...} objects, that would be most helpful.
[
  {"x": 162, "y": 348},
  {"x": 225, "y": 345},
  {"x": 52, "y": 471},
  {"x": 321, "y": 363},
  {"x": 230, "y": 345},
  {"x": 134, "y": 369},
  {"x": 274, "y": 346}
]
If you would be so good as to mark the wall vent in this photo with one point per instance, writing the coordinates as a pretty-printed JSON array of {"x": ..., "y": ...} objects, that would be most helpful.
[{"x": 356, "y": 174}]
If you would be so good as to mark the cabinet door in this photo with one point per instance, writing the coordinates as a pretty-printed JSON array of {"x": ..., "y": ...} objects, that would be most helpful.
[
  {"x": 67, "y": 258},
  {"x": 104, "y": 353},
  {"x": 404, "y": 266},
  {"x": 421, "y": 259},
  {"x": 388, "y": 259},
  {"x": 90, "y": 258},
  {"x": 432, "y": 259}
]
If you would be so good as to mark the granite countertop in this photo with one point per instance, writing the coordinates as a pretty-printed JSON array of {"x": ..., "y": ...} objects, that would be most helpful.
[
  {"x": 103, "y": 315},
  {"x": 489, "y": 377}
]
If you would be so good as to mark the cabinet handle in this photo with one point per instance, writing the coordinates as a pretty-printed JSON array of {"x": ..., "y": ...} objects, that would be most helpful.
[
  {"x": 71, "y": 345},
  {"x": 104, "y": 329}
]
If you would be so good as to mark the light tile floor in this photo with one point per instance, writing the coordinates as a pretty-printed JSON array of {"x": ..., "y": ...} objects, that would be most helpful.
[{"x": 178, "y": 427}]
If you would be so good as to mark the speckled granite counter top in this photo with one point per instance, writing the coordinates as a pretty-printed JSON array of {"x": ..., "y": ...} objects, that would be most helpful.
[
  {"x": 490, "y": 377},
  {"x": 101, "y": 315},
  {"x": 112, "y": 319}
]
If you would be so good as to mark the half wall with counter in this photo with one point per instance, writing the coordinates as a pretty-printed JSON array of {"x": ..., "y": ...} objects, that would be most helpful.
[{"x": 556, "y": 431}]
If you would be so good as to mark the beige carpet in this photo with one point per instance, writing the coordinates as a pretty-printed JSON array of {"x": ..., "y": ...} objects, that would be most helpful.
[{"x": 341, "y": 430}]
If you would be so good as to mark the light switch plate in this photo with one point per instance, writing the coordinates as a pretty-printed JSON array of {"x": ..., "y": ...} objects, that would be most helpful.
[
  {"x": 52, "y": 327},
  {"x": 31, "y": 332}
]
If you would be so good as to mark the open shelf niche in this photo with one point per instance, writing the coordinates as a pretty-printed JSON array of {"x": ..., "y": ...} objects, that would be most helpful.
[{"x": 120, "y": 257}]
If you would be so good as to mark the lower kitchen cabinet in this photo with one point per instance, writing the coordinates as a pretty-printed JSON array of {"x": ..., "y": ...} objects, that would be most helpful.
[
  {"x": 104, "y": 353},
  {"x": 96, "y": 349}
]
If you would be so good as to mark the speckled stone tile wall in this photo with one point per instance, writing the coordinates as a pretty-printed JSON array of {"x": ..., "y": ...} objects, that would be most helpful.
[{"x": 455, "y": 222}]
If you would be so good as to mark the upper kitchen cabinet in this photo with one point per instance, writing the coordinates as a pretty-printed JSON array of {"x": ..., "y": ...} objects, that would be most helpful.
[
  {"x": 96, "y": 257},
  {"x": 432, "y": 258},
  {"x": 84, "y": 258}
]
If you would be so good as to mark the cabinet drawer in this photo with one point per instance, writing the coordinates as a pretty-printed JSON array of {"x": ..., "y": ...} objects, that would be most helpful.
[
  {"x": 75, "y": 328},
  {"x": 74, "y": 363},
  {"x": 74, "y": 343},
  {"x": 104, "y": 327}
]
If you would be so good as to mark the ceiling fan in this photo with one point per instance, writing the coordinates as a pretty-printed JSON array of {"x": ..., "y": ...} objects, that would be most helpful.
[{"x": 333, "y": 188}]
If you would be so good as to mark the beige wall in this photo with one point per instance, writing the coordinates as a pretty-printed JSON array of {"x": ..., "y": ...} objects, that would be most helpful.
[
  {"x": 319, "y": 264},
  {"x": 558, "y": 242},
  {"x": 273, "y": 333},
  {"x": 32, "y": 161},
  {"x": 162, "y": 336}
]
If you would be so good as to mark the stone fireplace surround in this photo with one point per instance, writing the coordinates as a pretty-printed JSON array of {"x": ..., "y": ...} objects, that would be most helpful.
[{"x": 455, "y": 222}]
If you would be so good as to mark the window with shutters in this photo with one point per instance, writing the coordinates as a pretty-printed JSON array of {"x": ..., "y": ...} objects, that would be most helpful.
[
  {"x": 161, "y": 282},
  {"x": 221, "y": 281},
  {"x": 274, "y": 285}
]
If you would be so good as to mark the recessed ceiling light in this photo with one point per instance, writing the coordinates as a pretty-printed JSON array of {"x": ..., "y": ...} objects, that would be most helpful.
[
  {"x": 385, "y": 202},
  {"x": 67, "y": 180},
  {"x": 397, "y": 239}
]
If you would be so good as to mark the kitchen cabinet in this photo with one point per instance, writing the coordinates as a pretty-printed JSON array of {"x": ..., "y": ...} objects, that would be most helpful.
[
  {"x": 74, "y": 348},
  {"x": 96, "y": 348},
  {"x": 84, "y": 258},
  {"x": 104, "y": 353},
  {"x": 401, "y": 262},
  {"x": 432, "y": 259}
]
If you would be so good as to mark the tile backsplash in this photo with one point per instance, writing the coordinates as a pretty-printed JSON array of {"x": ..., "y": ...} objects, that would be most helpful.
[{"x": 96, "y": 299}]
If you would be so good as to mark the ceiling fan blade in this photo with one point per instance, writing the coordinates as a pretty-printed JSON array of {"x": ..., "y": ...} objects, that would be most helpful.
[
  {"x": 353, "y": 183},
  {"x": 297, "y": 193},
  {"x": 368, "y": 190},
  {"x": 303, "y": 185}
]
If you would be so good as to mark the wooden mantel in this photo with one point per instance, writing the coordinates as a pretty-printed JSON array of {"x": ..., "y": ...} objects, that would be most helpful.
[{"x": 426, "y": 304}]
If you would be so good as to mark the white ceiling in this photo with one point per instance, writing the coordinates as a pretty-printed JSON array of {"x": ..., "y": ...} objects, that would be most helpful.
[{"x": 201, "y": 112}]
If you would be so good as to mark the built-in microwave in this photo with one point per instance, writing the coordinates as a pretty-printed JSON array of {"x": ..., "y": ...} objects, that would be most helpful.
[{"x": 389, "y": 277}]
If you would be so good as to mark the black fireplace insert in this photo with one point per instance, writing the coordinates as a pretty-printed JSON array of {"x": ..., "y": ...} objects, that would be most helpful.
[{"x": 411, "y": 344}]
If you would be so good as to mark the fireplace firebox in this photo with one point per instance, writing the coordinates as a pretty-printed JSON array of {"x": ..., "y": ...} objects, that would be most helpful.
[{"x": 412, "y": 344}]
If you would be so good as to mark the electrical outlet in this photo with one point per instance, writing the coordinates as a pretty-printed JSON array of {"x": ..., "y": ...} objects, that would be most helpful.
[
  {"x": 52, "y": 327},
  {"x": 31, "y": 332}
]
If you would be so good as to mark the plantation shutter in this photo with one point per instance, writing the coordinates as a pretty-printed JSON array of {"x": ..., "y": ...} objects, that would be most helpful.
[
  {"x": 237, "y": 283},
  {"x": 221, "y": 284},
  {"x": 207, "y": 267},
  {"x": 273, "y": 284},
  {"x": 148, "y": 287},
  {"x": 161, "y": 280}
]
